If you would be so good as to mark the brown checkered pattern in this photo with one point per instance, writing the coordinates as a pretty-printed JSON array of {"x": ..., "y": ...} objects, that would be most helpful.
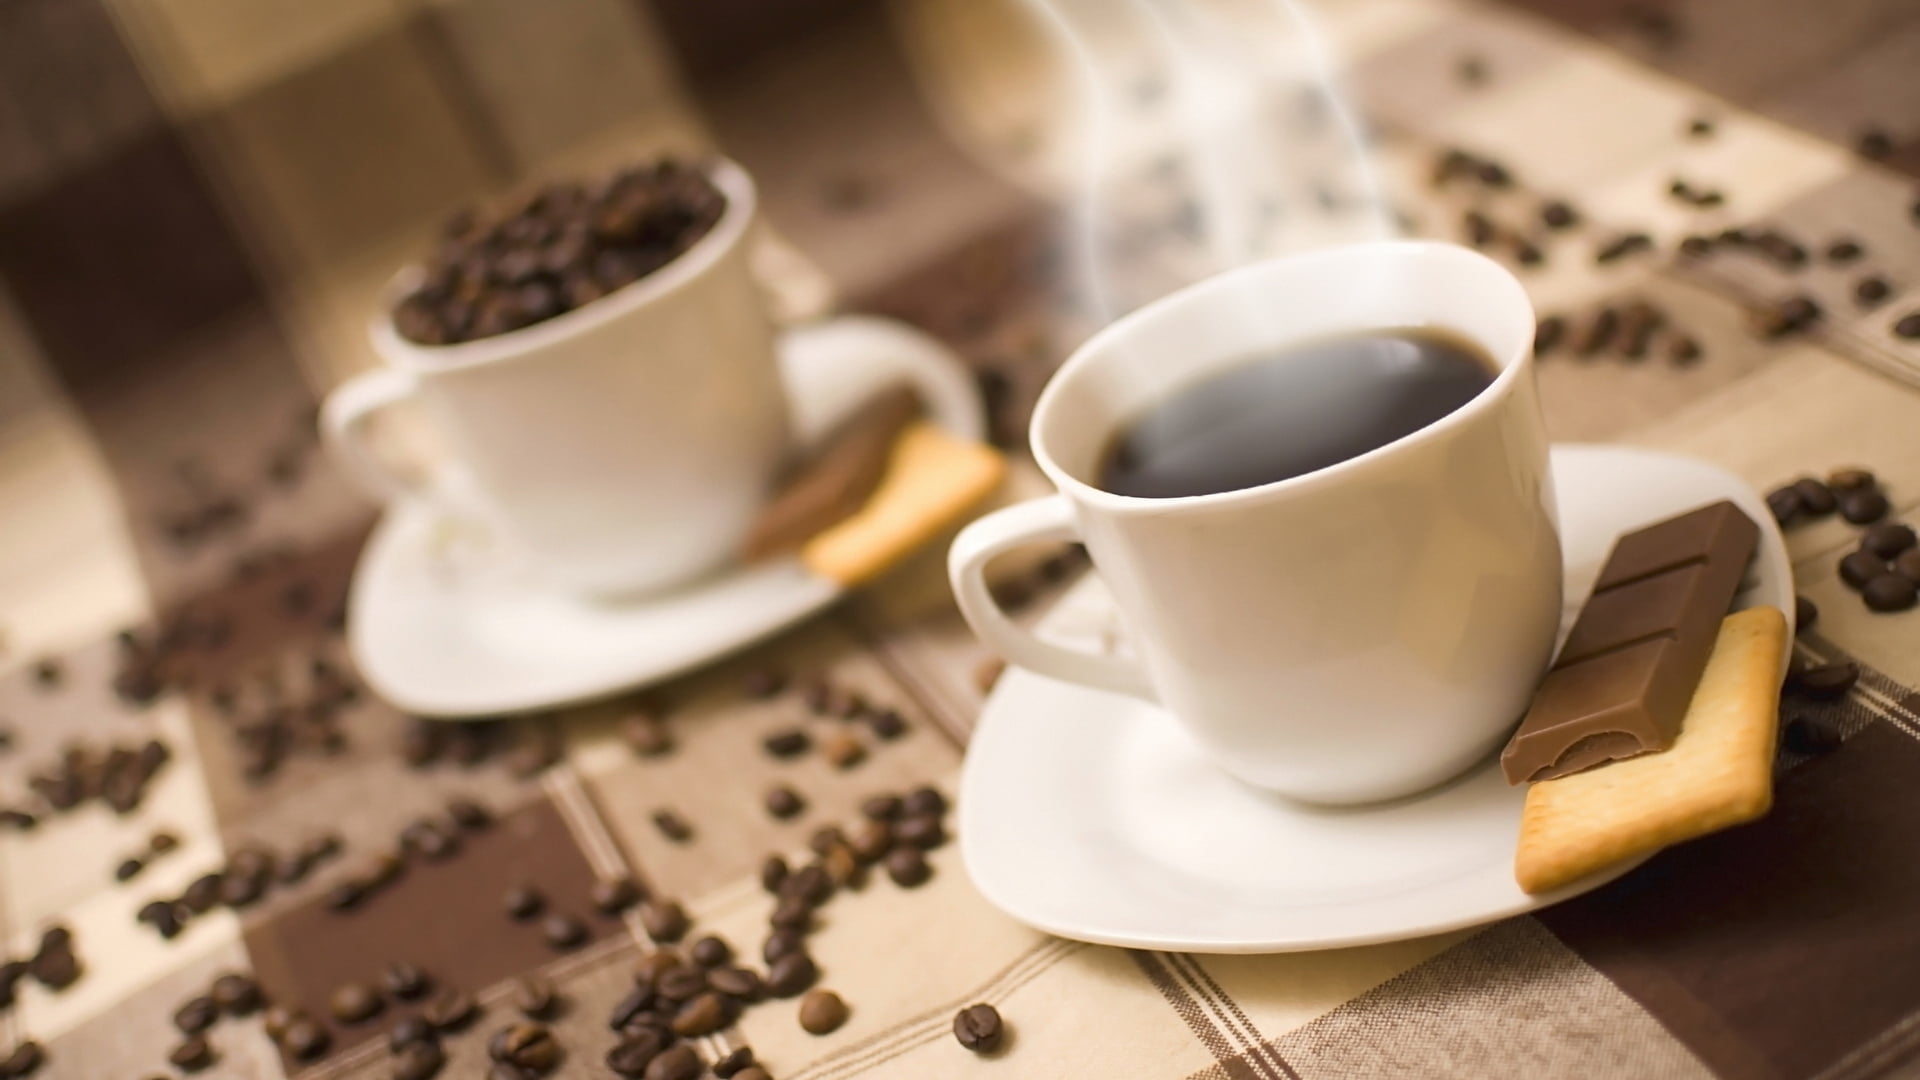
[{"x": 200, "y": 198}]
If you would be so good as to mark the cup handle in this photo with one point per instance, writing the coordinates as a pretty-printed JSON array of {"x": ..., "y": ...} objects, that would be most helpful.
[
  {"x": 1034, "y": 521},
  {"x": 834, "y": 367},
  {"x": 343, "y": 424}
]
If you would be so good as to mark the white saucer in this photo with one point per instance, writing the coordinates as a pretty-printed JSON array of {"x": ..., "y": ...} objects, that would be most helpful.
[
  {"x": 442, "y": 625},
  {"x": 1093, "y": 816}
]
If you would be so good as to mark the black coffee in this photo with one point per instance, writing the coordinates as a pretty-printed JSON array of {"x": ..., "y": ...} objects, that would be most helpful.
[{"x": 1285, "y": 413}]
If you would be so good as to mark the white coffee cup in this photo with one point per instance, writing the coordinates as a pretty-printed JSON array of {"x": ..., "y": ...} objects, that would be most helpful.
[
  {"x": 625, "y": 446},
  {"x": 1353, "y": 634}
]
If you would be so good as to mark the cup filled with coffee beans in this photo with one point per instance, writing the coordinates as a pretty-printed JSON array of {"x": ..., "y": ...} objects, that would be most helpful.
[
  {"x": 600, "y": 363},
  {"x": 1317, "y": 488}
]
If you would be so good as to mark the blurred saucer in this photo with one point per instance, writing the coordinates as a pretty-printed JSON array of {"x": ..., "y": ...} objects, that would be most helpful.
[
  {"x": 443, "y": 624},
  {"x": 1093, "y": 816}
]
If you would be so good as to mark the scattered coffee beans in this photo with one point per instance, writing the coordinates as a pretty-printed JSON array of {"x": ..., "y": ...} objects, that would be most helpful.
[
  {"x": 978, "y": 1027},
  {"x": 1806, "y": 735},
  {"x": 305, "y": 1040},
  {"x": 790, "y": 975},
  {"x": 908, "y": 867},
  {"x": 787, "y": 743},
  {"x": 535, "y": 998},
  {"x": 732, "y": 1062},
  {"x": 710, "y": 952},
  {"x": 615, "y": 895},
  {"x": 1890, "y": 592},
  {"x": 1908, "y": 327},
  {"x": 672, "y": 826},
  {"x": 675, "y": 1063},
  {"x": 523, "y": 902},
  {"x": 192, "y": 1055},
  {"x": 646, "y": 735},
  {"x": 351, "y": 1003},
  {"x": 843, "y": 750},
  {"x": 664, "y": 920},
  {"x": 1860, "y": 567},
  {"x": 773, "y": 871},
  {"x": 784, "y": 802},
  {"x": 406, "y": 982},
  {"x": 822, "y": 1011},
  {"x": 1887, "y": 539},
  {"x": 563, "y": 932},
  {"x": 419, "y": 1061},
  {"x": 451, "y": 1010},
  {"x": 1864, "y": 507},
  {"x": 1828, "y": 681},
  {"x": 1871, "y": 290},
  {"x": 196, "y": 1016}
]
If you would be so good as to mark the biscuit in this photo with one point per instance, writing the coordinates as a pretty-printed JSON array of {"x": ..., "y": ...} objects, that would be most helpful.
[
  {"x": 931, "y": 479},
  {"x": 1718, "y": 772}
]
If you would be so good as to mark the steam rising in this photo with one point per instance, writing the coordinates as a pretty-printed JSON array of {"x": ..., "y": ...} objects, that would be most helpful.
[{"x": 1211, "y": 134}]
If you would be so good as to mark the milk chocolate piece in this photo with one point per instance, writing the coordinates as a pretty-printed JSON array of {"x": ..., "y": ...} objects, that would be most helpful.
[
  {"x": 1621, "y": 683},
  {"x": 836, "y": 481}
]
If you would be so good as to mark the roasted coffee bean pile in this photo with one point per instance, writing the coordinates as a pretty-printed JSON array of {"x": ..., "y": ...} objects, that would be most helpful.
[
  {"x": 421, "y": 842},
  {"x": 1885, "y": 568},
  {"x": 201, "y": 509},
  {"x": 1632, "y": 331},
  {"x": 250, "y": 873},
  {"x": 556, "y": 248},
  {"x": 54, "y": 965},
  {"x": 117, "y": 775}
]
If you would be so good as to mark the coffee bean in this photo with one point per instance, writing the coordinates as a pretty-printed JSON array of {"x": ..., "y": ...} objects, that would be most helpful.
[
  {"x": 843, "y": 868},
  {"x": 128, "y": 869},
  {"x": 843, "y": 750},
  {"x": 710, "y": 952},
  {"x": 762, "y": 683},
  {"x": 784, "y": 940},
  {"x": 886, "y": 724},
  {"x": 406, "y": 982},
  {"x": 1548, "y": 333},
  {"x": 1784, "y": 503},
  {"x": 881, "y": 807},
  {"x": 808, "y": 884},
  {"x": 1815, "y": 497},
  {"x": 791, "y": 974},
  {"x": 664, "y": 920},
  {"x": 649, "y": 968},
  {"x": 978, "y": 1028},
  {"x": 784, "y": 802},
  {"x": 1479, "y": 229},
  {"x": 612, "y": 896},
  {"x": 419, "y": 1061},
  {"x": 1493, "y": 174},
  {"x": 732, "y": 1062},
  {"x": 1851, "y": 478},
  {"x": 563, "y": 932},
  {"x": 682, "y": 983},
  {"x": 1874, "y": 144},
  {"x": 632, "y": 1055},
  {"x": 871, "y": 839},
  {"x": 468, "y": 814},
  {"x": 921, "y": 831},
  {"x": 347, "y": 894},
  {"x": 196, "y": 1016},
  {"x": 523, "y": 902},
  {"x": 1864, "y": 507},
  {"x": 236, "y": 994},
  {"x": 925, "y": 800},
  {"x": 907, "y": 866},
  {"x": 773, "y": 871},
  {"x": 672, "y": 826},
  {"x": 164, "y": 916},
  {"x": 48, "y": 673},
  {"x": 1860, "y": 567},
  {"x": 1622, "y": 246},
  {"x": 636, "y": 1001},
  {"x": 24, "y": 1060},
  {"x": 1806, "y": 735},
  {"x": 291, "y": 869},
  {"x": 704, "y": 1015},
  {"x": 645, "y": 735},
  {"x": 787, "y": 743},
  {"x": 430, "y": 841},
  {"x": 528, "y": 1045},
  {"x": 305, "y": 1040},
  {"x": 1871, "y": 290},
  {"x": 675, "y": 1063},
  {"x": 1558, "y": 214},
  {"x": 1844, "y": 250},
  {"x": 1890, "y": 592},
  {"x": 1791, "y": 315},
  {"x": 192, "y": 1055},
  {"x": 1887, "y": 539},
  {"x": 239, "y": 890},
  {"x": 791, "y": 914},
  {"x": 275, "y": 1021},
  {"x": 55, "y": 968},
  {"x": 1908, "y": 327},
  {"x": 410, "y": 1030},
  {"x": 1907, "y": 565},
  {"x": 351, "y": 1003},
  {"x": 1828, "y": 681},
  {"x": 1805, "y": 614},
  {"x": 822, "y": 1011},
  {"x": 825, "y": 839},
  {"x": 738, "y": 983},
  {"x": 1700, "y": 127},
  {"x": 451, "y": 1010}
]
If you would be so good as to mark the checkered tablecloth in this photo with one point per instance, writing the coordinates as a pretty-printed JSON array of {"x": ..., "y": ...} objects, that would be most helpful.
[{"x": 198, "y": 202}]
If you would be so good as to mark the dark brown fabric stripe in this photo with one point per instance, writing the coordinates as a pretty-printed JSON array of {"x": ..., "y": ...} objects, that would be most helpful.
[
  {"x": 1197, "y": 1019},
  {"x": 1777, "y": 949},
  {"x": 1258, "y": 1052}
]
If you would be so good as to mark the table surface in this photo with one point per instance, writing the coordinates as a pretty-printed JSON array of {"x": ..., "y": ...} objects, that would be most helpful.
[{"x": 908, "y": 171}]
